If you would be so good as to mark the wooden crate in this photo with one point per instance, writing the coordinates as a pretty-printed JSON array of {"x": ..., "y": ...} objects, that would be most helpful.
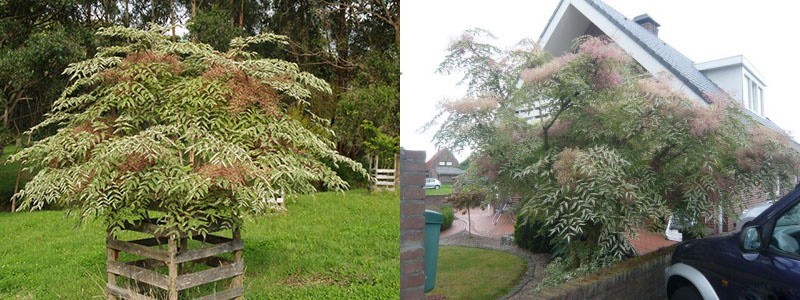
[{"x": 144, "y": 281}]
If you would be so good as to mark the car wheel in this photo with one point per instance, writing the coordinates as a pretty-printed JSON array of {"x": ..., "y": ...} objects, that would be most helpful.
[
  {"x": 686, "y": 292},
  {"x": 437, "y": 187}
]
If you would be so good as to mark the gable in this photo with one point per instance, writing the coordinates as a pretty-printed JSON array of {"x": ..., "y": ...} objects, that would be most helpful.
[
  {"x": 575, "y": 18},
  {"x": 647, "y": 49},
  {"x": 442, "y": 157}
]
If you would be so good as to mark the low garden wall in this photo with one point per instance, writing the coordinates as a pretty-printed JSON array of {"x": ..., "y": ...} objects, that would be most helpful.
[
  {"x": 435, "y": 200},
  {"x": 637, "y": 278}
]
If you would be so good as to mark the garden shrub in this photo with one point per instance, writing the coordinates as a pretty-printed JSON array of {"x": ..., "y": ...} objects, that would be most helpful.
[
  {"x": 532, "y": 235},
  {"x": 449, "y": 215},
  {"x": 205, "y": 136}
]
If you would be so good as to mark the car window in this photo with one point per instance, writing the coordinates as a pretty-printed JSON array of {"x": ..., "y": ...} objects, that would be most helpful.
[{"x": 786, "y": 235}]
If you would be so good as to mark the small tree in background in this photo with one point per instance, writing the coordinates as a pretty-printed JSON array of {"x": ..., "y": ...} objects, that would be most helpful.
[
  {"x": 613, "y": 148},
  {"x": 466, "y": 200},
  {"x": 202, "y": 135}
]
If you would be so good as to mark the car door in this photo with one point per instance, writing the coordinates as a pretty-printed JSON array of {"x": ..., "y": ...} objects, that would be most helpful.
[{"x": 773, "y": 272}]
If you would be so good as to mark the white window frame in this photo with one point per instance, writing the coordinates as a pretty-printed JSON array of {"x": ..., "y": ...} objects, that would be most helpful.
[{"x": 753, "y": 96}]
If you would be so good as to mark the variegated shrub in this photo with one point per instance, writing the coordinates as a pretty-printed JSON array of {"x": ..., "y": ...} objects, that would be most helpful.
[{"x": 203, "y": 136}]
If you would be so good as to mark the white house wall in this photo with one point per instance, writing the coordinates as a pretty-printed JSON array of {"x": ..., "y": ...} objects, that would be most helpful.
[
  {"x": 729, "y": 78},
  {"x": 554, "y": 37}
]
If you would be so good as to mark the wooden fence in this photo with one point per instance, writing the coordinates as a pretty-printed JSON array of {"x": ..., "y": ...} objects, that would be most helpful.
[
  {"x": 145, "y": 282},
  {"x": 384, "y": 178}
]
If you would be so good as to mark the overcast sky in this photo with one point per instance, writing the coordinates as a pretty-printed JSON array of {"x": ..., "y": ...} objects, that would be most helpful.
[{"x": 705, "y": 30}]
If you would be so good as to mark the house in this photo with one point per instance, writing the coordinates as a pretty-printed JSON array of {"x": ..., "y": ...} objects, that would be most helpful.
[
  {"x": 734, "y": 76},
  {"x": 444, "y": 166}
]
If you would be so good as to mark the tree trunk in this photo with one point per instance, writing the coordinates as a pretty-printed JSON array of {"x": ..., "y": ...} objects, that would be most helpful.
[
  {"x": 241, "y": 14},
  {"x": 89, "y": 14},
  {"x": 342, "y": 41},
  {"x": 172, "y": 17},
  {"x": 469, "y": 222},
  {"x": 127, "y": 17},
  {"x": 16, "y": 189},
  {"x": 233, "y": 13}
]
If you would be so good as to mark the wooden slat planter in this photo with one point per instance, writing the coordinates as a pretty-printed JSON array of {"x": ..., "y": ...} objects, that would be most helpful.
[{"x": 144, "y": 281}]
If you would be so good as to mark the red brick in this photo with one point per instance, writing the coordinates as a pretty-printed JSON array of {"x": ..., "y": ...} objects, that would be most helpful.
[
  {"x": 411, "y": 253},
  {"x": 418, "y": 155},
  {"x": 411, "y": 193},
  {"x": 412, "y": 236},
  {"x": 412, "y": 222},
  {"x": 412, "y": 266},
  {"x": 417, "y": 293},
  {"x": 412, "y": 167},
  {"x": 413, "y": 280},
  {"x": 415, "y": 209},
  {"x": 416, "y": 179}
]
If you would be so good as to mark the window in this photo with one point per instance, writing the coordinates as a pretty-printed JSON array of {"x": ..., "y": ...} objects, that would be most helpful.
[
  {"x": 449, "y": 163},
  {"x": 441, "y": 163},
  {"x": 746, "y": 92},
  {"x": 787, "y": 232},
  {"x": 753, "y": 96}
]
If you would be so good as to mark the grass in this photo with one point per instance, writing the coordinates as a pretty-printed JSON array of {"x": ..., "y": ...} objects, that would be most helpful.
[
  {"x": 327, "y": 246},
  {"x": 445, "y": 189},
  {"x": 472, "y": 273}
]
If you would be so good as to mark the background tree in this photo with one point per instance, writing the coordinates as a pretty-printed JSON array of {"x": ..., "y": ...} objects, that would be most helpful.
[
  {"x": 202, "y": 135},
  {"x": 613, "y": 149}
]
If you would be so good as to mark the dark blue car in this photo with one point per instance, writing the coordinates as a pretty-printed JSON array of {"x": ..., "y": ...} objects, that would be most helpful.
[{"x": 762, "y": 261}]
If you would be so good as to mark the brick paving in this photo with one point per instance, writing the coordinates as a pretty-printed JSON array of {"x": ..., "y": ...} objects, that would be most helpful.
[
  {"x": 483, "y": 225},
  {"x": 648, "y": 242}
]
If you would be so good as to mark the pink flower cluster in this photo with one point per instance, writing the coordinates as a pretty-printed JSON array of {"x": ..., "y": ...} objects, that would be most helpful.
[
  {"x": 707, "y": 119},
  {"x": 606, "y": 77},
  {"x": 606, "y": 55},
  {"x": 656, "y": 87},
  {"x": 560, "y": 128},
  {"x": 602, "y": 50},
  {"x": 545, "y": 71},
  {"x": 563, "y": 166},
  {"x": 471, "y": 105}
]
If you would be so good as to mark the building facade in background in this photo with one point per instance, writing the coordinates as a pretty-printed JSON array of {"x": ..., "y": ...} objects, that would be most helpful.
[{"x": 443, "y": 166}]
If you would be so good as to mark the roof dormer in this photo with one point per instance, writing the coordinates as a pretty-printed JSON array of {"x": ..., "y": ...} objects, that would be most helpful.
[{"x": 737, "y": 77}]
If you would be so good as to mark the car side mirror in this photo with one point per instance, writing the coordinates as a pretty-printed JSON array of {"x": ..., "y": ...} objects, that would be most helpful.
[{"x": 750, "y": 239}]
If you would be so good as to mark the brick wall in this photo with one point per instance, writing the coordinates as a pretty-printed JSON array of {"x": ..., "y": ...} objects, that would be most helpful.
[
  {"x": 412, "y": 224},
  {"x": 637, "y": 278}
]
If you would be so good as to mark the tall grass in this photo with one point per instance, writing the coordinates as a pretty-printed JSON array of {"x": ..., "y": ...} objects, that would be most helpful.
[{"x": 327, "y": 246}]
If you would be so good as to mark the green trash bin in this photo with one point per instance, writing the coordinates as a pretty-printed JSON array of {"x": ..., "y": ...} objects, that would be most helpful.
[{"x": 433, "y": 224}]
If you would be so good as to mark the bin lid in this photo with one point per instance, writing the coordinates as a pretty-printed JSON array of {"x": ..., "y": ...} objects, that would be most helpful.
[{"x": 433, "y": 217}]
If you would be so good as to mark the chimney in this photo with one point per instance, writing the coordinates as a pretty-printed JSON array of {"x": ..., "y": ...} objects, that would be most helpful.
[{"x": 647, "y": 22}]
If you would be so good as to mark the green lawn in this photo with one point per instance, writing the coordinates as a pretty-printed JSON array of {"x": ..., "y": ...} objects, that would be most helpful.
[
  {"x": 445, "y": 189},
  {"x": 472, "y": 273},
  {"x": 327, "y": 246}
]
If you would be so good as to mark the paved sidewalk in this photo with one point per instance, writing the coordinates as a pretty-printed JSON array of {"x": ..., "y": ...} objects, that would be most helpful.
[
  {"x": 483, "y": 225},
  {"x": 648, "y": 242}
]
